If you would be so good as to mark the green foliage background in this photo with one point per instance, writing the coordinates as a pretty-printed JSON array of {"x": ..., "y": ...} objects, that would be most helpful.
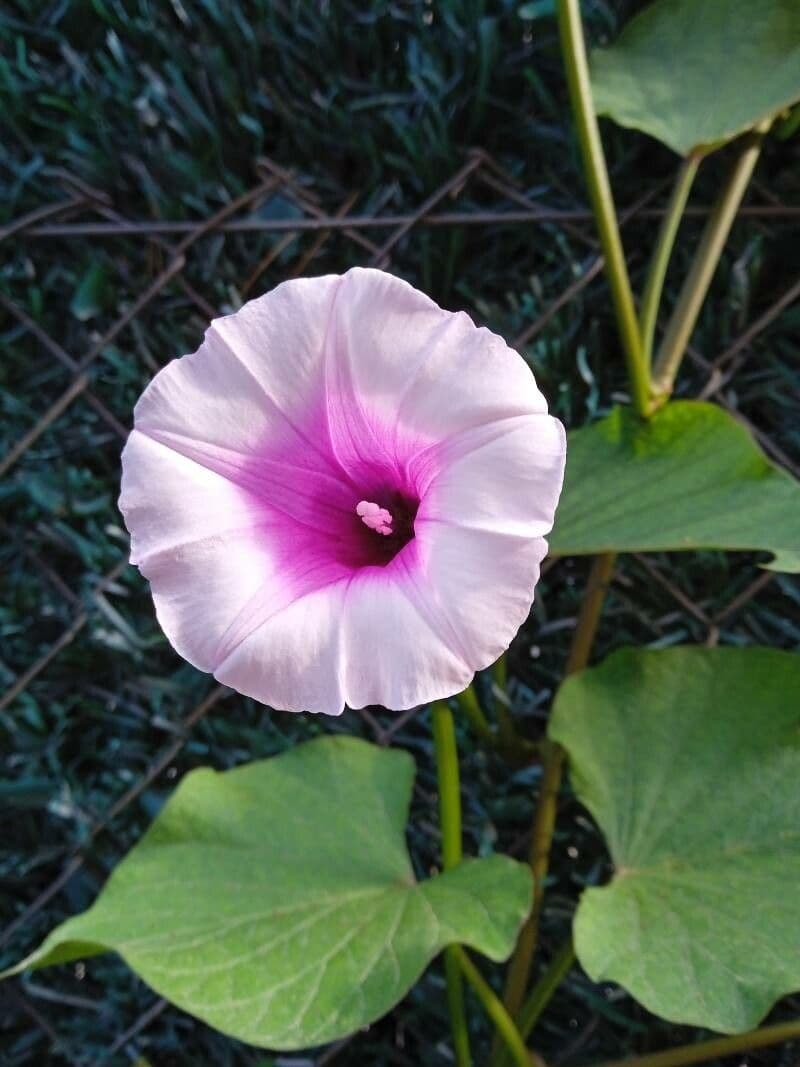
[{"x": 166, "y": 105}]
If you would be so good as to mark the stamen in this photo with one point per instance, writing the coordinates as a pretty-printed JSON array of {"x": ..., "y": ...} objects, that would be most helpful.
[{"x": 375, "y": 517}]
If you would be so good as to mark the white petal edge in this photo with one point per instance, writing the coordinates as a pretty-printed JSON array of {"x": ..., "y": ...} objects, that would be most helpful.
[
  {"x": 505, "y": 477},
  {"x": 411, "y": 363}
]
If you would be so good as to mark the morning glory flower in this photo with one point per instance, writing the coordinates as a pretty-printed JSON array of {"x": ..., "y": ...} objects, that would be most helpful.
[{"x": 342, "y": 496}]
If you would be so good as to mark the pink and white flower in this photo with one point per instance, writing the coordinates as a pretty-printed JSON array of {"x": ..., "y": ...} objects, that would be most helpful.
[{"x": 342, "y": 496}]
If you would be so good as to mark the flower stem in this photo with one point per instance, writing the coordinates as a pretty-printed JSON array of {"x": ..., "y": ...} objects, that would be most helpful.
[
  {"x": 685, "y": 313},
  {"x": 709, "y": 1050},
  {"x": 545, "y": 814},
  {"x": 468, "y": 703},
  {"x": 656, "y": 272},
  {"x": 509, "y": 739},
  {"x": 444, "y": 736},
  {"x": 573, "y": 48},
  {"x": 494, "y": 1009},
  {"x": 504, "y": 740}
]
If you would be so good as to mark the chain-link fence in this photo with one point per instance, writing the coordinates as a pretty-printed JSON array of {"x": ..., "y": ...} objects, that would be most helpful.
[{"x": 75, "y": 400}]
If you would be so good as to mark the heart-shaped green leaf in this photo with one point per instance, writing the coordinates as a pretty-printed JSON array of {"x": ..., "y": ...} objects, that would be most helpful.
[
  {"x": 277, "y": 901},
  {"x": 695, "y": 73},
  {"x": 690, "y": 477},
  {"x": 689, "y": 760}
]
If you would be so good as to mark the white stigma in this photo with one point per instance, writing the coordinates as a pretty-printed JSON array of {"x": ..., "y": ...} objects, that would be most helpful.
[{"x": 377, "y": 518}]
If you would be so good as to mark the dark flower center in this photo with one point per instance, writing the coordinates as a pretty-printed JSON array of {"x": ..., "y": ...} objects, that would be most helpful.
[{"x": 383, "y": 527}]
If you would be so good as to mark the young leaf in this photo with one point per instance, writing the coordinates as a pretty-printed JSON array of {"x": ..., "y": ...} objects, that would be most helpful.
[
  {"x": 537, "y": 9},
  {"x": 277, "y": 901},
  {"x": 90, "y": 295},
  {"x": 690, "y": 477},
  {"x": 689, "y": 760},
  {"x": 694, "y": 74}
]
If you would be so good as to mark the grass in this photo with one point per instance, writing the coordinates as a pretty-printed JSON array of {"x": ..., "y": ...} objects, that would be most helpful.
[{"x": 166, "y": 106}]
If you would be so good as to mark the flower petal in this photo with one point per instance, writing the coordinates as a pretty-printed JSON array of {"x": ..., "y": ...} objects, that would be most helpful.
[
  {"x": 250, "y": 458},
  {"x": 219, "y": 564},
  {"x": 478, "y": 587},
  {"x": 293, "y": 661},
  {"x": 504, "y": 477},
  {"x": 391, "y": 654},
  {"x": 168, "y": 501},
  {"x": 288, "y": 485},
  {"x": 413, "y": 365},
  {"x": 257, "y": 380},
  {"x": 195, "y": 537}
]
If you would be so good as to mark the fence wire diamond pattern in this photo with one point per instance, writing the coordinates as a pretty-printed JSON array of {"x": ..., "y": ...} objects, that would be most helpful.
[{"x": 79, "y": 397}]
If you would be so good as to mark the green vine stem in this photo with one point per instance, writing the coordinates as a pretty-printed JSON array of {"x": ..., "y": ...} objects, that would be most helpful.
[
  {"x": 686, "y": 311},
  {"x": 444, "y": 737},
  {"x": 544, "y": 817},
  {"x": 597, "y": 585},
  {"x": 540, "y": 995},
  {"x": 573, "y": 48},
  {"x": 709, "y": 1050},
  {"x": 656, "y": 272},
  {"x": 543, "y": 822},
  {"x": 493, "y": 1007}
]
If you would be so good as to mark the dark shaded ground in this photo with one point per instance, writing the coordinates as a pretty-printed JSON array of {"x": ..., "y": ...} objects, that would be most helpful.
[{"x": 166, "y": 107}]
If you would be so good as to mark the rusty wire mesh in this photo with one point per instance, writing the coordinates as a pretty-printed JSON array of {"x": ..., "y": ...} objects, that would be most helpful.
[{"x": 159, "y": 256}]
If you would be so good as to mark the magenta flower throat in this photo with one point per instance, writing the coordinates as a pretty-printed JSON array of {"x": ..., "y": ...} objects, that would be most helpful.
[{"x": 341, "y": 497}]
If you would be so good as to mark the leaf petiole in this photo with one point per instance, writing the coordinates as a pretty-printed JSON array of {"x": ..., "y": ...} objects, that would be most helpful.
[
  {"x": 494, "y": 1008},
  {"x": 696, "y": 285},
  {"x": 656, "y": 272}
]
